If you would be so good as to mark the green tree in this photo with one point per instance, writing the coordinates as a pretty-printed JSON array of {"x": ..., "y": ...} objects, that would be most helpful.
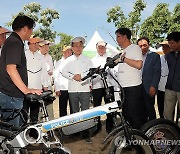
[
  {"x": 160, "y": 23},
  {"x": 56, "y": 50},
  {"x": 175, "y": 19},
  {"x": 117, "y": 16},
  {"x": 44, "y": 17}
]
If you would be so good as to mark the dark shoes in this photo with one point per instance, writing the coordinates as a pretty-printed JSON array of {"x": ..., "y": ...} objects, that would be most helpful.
[{"x": 88, "y": 140}]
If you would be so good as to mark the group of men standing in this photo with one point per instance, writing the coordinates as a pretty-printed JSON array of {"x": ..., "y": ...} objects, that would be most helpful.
[{"x": 138, "y": 72}]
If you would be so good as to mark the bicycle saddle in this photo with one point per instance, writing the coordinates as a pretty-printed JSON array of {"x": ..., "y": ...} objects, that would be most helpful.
[{"x": 34, "y": 97}]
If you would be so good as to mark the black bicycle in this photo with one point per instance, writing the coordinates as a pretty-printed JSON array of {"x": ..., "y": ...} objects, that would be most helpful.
[{"x": 123, "y": 138}]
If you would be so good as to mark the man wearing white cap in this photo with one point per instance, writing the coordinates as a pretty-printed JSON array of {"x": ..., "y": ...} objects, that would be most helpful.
[
  {"x": 98, "y": 91},
  {"x": 37, "y": 75},
  {"x": 163, "y": 79},
  {"x": 77, "y": 66},
  {"x": 61, "y": 83},
  {"x": 3, "y": 32}
]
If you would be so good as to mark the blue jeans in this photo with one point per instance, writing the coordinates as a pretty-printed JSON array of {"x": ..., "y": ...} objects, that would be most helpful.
[{"x": 8, "y": 102}]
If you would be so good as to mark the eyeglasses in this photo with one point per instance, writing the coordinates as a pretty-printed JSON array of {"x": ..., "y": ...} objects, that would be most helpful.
[
  {"x": 80, "y": 46},
  {"x": 144, "y": 45}
]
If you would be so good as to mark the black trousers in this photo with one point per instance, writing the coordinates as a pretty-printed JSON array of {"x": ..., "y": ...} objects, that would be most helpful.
[
  {"x": 160, "y": 103},
  {"x": 133, "y": 106},
  {"x": 63, "y": 102},
  {"x": 98, "y": 94},
  {"x": 149, "y": 101},
  {"x": 32, "y": 109}
]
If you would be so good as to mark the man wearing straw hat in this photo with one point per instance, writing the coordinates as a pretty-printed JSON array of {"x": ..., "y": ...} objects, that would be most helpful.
[{"x": 61, "y": 83}]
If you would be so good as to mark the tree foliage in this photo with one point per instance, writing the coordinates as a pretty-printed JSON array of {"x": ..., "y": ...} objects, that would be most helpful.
[
  {"x": 117, "y": 16},
  {"x": 175, "y": 19},
  {"x": 155, "y": 27},
  {"x": 56, "y": 49},
  {"x": 43, "y": 18},
  {"x": 160, "y": 23}
]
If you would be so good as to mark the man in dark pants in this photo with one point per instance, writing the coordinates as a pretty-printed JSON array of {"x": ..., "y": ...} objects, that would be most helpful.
[
  {"x": 13, "y": 74},
  {"x": 98, "y": 91},
  {"x": 37, "y": 76},
  {"x": 151, "y": 73},
  {"x": 129, "y": 76},
  {"x": 61, "y": 83}
]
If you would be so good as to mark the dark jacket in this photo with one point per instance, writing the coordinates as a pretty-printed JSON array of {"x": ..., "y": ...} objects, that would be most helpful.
[
  {"x": 151, "y": 71},
  {"x": 173, "y": 81}
]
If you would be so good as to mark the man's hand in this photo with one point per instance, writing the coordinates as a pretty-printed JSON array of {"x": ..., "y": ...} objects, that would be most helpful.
[
  {"x": 45, "y": 88},
  {"x": 58, "y": 93},
  {"x": 77, "y": 77},
  {"x": 33, "y": 91},
  {"x": 152, "y": 91}
]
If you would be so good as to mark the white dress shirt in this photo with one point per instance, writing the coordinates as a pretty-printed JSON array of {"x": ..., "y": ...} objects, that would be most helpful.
[
  {"x": 60, "y": 82},
  {"x": 36, "y": 68},
  {"x": 164, "y": 73},
  {"x": 49, "y": 66},
  {"x": 77, "y": 65},
  {"x": 101, "y": 61}
]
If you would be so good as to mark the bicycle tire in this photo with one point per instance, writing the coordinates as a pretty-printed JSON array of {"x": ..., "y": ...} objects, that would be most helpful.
[
  {"x": 118, "y": 147},
  {"x": 163, "y": 129},
  {"x": 7, "y": 134}
]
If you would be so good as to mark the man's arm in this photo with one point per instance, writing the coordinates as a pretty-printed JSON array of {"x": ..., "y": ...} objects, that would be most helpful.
[
  {"x": 15, "y": 77},
  {"x": 133, "y": 63}
]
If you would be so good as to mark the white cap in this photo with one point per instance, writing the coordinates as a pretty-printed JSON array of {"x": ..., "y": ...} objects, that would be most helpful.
[{"x": 78, "y": 39}]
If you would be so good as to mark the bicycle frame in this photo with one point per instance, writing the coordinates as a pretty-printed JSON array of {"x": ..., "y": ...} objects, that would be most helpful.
[{"x": 23, "y": 138}]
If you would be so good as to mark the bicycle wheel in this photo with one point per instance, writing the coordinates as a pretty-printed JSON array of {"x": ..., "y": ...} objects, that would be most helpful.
[
  {"x": 137, "y": 145},
  {"x": 7, "y": 134},
  {"x": 165, "y": 133}
]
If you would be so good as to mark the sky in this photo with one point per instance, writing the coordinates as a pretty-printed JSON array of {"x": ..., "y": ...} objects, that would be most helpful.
[{"x": 81, "y": 17}]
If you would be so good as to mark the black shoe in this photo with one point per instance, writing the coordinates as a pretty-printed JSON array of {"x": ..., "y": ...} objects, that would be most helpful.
[{"x": 88, "y": 140}]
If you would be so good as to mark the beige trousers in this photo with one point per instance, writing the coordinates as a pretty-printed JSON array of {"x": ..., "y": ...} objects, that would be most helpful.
[{"x": 170, "y": 101}]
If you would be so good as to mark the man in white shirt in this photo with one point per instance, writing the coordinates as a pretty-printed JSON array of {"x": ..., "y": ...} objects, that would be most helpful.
[
  {"x": 37, "y": 75},
  {"x": 164, "y": 74},
  {"x": 129, "y": 76},
  {"x": 44, "y": 48},
  {"x": 3, "y": 32},
  {"x": 77, "y": 66},
  {"x": 61, "y": 83},
  {"x": 98, "y": 91}
]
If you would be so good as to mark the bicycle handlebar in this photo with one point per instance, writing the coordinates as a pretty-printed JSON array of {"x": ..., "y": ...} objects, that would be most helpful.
[
  {"x": 110, "y": 62},
  {"x": 34, "y": 97}
]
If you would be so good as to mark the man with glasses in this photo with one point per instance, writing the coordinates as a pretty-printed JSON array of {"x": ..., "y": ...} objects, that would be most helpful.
[
  {"x": 151, "y": 73},
  {"x": 129, "y": 76},
  {"x": 77, "y": 66},
  {"x": 13, "y": 74}
]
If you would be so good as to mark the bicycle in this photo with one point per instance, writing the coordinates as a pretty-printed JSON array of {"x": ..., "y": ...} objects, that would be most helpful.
[{"x": 123, "y": 135}]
